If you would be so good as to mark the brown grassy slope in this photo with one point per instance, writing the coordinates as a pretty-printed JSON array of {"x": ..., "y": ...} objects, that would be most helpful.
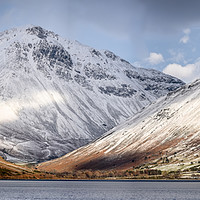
[
  {"x": 12, "y": 171},
  {"x": 86, "y": 158},
  {"x": 169, "y": 127}
]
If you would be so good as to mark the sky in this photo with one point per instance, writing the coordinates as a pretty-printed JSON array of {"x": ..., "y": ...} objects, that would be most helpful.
[{"x": 158, "y": 34}]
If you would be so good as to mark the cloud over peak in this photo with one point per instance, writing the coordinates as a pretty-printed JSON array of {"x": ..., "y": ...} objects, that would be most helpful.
[
  {"x": 187, "y": 73},
  {"x": 155, "y": 58}
]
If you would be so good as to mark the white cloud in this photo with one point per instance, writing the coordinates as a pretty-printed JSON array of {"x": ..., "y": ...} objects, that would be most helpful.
[
  {"x": 137, "y": 64},
  {"x": 177, "y": 57},
  {"x": 187, "y": 31},
  {"x": 187, "y": 73},
  {"x": 155, "y": 58},
  {"x": 9, "y": 111},
  {"x": 186, "y": 37}
]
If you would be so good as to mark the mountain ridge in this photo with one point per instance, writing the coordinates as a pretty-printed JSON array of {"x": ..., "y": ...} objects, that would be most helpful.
[
  {"x": 163, "y": 135},
  {"x": 57, "y": 95}
]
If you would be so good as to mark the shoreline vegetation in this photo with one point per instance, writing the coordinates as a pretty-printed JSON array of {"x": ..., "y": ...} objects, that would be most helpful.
[
  {"x": 139, "y": 174},
  {"x": 143, "y": 172}
]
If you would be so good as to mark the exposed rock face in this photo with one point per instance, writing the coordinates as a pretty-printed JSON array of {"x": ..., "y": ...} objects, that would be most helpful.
[{"x": 57, "y": 95}]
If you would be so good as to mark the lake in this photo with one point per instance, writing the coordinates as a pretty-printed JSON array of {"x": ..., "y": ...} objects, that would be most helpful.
[{"x": 99, "y": 190}]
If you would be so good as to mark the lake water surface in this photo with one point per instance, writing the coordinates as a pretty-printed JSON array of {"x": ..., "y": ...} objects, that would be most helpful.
[{"x": 99, "y": 190}]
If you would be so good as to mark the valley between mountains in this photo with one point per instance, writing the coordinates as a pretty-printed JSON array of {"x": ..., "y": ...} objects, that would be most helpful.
[{"x": 165, "y": 136}]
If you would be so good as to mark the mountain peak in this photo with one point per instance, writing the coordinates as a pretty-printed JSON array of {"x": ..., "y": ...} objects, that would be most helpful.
[
  {"x": 40, "y": 32},
  {"x": 59, "y": 95}
]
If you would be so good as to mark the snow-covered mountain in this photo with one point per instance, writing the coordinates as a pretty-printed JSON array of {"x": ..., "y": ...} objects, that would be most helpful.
[
  {"x": 57, "y": 95},
  {"x": 167, "y": 131}
]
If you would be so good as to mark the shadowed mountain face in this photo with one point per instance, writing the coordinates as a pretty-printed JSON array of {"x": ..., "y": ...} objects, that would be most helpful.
[
  {"x": 57, "y": 95},
  {"x": 168, "y": 130}
]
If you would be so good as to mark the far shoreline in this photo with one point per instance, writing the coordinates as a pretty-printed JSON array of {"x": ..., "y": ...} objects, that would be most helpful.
[{"x": 106, "y": 180}]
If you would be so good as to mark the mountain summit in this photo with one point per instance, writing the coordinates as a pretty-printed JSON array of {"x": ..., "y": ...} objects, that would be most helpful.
[{"x": 57, "y": 95}]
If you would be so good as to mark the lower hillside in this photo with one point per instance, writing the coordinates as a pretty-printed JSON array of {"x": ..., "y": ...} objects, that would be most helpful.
[
  {"x": 11, "y": 171},
  {"x": 165, "y": 136}
]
